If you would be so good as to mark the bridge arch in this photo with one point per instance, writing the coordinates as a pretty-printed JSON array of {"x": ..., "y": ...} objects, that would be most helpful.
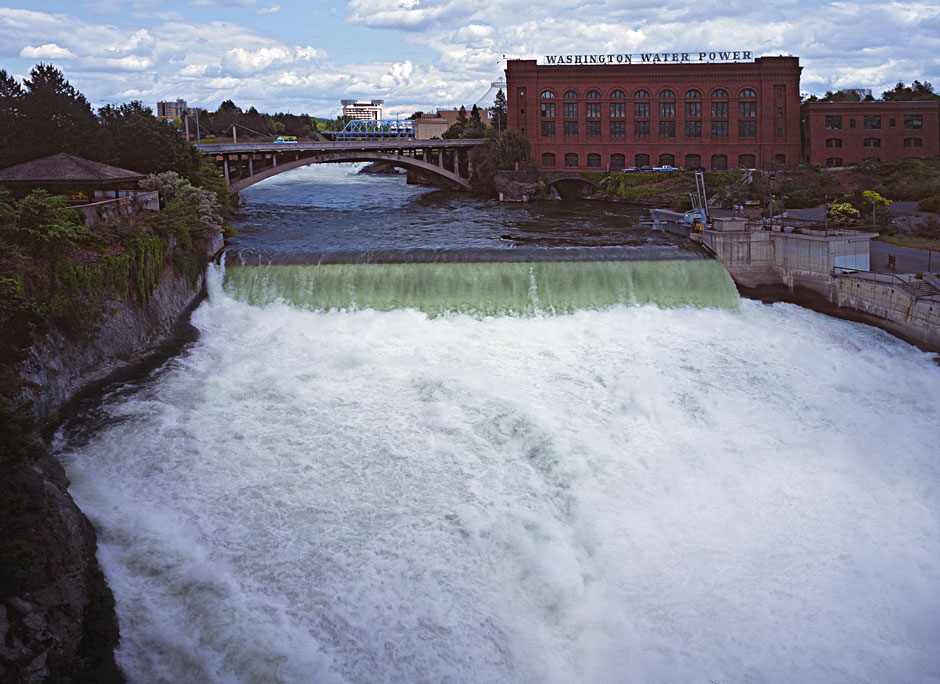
[
  {"x": 569, "y": 184},
  {"x": 249, "y": 163},
  {"x": 237, "y": 185}
]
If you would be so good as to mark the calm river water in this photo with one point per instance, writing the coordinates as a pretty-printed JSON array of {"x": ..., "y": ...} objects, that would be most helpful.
[{"x": 532, "y": 452}]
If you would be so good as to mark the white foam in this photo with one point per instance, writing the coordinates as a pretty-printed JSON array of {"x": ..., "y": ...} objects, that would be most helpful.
[{"x": 629, "y": 495}]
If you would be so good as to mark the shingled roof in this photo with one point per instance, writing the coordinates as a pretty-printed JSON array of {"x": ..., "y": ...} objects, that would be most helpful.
[{"x": 67, "y": 168}]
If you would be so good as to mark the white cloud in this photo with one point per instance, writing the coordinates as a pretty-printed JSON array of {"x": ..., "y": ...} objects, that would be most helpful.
[
  {"x": 841, "y": 44},
  {"x": 407, "y": 15},
  {"x": 245, "y": 62},
  {"x": 224, "y": 3},
  {"x": 47, "y": 51}
]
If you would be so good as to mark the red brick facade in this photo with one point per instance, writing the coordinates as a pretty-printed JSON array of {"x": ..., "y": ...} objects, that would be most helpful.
[
  {"x": 843, "y": 133},
  {"x": 686, "y": 115}
]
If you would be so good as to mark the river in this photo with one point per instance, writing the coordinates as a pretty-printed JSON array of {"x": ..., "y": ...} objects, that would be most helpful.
[{"x": 423, "y": 437}]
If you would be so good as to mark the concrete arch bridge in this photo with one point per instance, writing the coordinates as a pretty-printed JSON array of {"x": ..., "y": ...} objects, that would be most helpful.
[{"x": 444, "y": 162}]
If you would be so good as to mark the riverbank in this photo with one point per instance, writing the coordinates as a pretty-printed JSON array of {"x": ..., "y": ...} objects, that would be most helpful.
[{"x": 79, "y": 308}]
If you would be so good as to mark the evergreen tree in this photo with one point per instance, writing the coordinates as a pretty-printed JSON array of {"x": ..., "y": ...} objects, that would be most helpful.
[
  {"x": 139, "y": 141},
  {"x": 500, "y": 110},
  {"x": 57, "y": 118},
  {"x": 11, "y": 96},
  {"x": 915, "y": 91}
]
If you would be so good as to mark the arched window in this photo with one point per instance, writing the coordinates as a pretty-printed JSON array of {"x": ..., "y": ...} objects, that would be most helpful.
[
  {"x": 834, "y": 143},
  {"x": 547, "y": 95},
  {"x": 834, "y": 161},
  {"x": 618, "y": 161},
  {"x": 693, "y": 161},
  {"x": 719, "y": 162},
  {"x": 641, "y": 94},
  {"x": 618, "y": 95},
  {"x": 570, "y": 95},
  {"x": 667, "y": 160},
  {"x": 594, "y": 161},
  {"x": 667, "y": 94},
  {"x": 641, "y": 161},
  {"x": 571, "y": 160},
  {"x": 719, "y": 93},
  {"x": 747, "y": 161},
  {"x": 747, "y": 92},
  {"x": 780, "y": 158},
  {"x": 548, "y": 160},
  {"x": 593, "y": 94},
  {"x": 693, "y": 93}
]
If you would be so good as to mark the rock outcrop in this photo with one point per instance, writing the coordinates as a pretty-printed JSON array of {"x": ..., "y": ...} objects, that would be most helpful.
[{"x": 57, "y": 619}]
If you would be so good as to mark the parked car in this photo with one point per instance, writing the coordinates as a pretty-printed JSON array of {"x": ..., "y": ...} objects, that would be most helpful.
[{"x": 665, "y": 168}]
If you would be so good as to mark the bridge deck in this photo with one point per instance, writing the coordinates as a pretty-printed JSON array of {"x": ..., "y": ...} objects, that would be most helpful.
[{"x": 337, "y": 146}]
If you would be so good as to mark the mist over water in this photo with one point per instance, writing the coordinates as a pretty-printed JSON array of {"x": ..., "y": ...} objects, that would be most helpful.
[{"x": 627, "y": 494}]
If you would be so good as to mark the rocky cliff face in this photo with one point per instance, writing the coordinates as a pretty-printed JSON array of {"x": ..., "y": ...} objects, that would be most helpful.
[{"x": 57, "y": 619}]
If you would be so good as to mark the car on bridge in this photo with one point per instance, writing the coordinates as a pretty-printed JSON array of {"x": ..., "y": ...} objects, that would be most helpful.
[{"x": 283, "y": 139}]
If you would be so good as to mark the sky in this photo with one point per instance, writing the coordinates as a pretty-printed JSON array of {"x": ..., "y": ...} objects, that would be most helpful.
[{"x": 304, "y": 56}]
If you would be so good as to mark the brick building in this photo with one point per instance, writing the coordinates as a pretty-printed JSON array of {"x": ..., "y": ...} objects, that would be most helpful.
[
  {"x": 843, "y": 133},
  {"x": 689, "y": 115}
]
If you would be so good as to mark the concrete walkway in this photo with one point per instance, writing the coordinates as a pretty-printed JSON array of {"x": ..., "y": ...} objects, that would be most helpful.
[{"x": 906, "y": 260}]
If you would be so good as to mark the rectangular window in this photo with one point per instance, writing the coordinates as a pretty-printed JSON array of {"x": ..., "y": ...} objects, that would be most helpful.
[
  {"x": 872, "y": 122},
  {"x": 548, "y": 129},
  {"x": 834, "y": 142},
  {"x": 913, "y": 142},
  {"x": 693, "y": 129},
  {"x": 593, "y": 129},
  {"x": 641, "y": 129},
  {"x": 747, "y": 129},
  {"x": 779, "y": 132},
  {"x": 913, "y": 121},
  {"x": 779, "y": 111},
  {"x": 667, "y": 109},
  {"x": 833, "y": 122},
  {"x": 719, "y": 110},
  {"x": 641, "y": 110},
  {"x": 719, "y": 129},
  {"x": 667, "y": 129},
  {"x": 779, "y": 92},
  {"x": 571, "y": 129},
  {"x": 618, "y": 129},
  {"x": 548, "y": 110},
  {"x": 693, "y": 110},
  {"x": 871, "y": 142},
  {"x": 890, "y": 123},
  {"x": 851, "y": 123},
  {"x": 593, "y": 110},
  {"x": 571, "y": 110},
  {"x": 618, "y": 110},
  {"x": 747, "y": 108}
]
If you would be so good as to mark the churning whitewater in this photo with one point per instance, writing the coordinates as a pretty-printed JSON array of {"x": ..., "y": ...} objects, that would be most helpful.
[{"x": 318, "y": 490}]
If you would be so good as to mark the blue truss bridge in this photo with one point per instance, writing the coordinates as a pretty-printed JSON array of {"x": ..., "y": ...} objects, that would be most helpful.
[{"x": 381, "y": 129}]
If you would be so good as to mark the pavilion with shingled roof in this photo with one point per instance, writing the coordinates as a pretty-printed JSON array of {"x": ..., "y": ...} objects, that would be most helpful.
[{"x": 68, "y": 175}]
